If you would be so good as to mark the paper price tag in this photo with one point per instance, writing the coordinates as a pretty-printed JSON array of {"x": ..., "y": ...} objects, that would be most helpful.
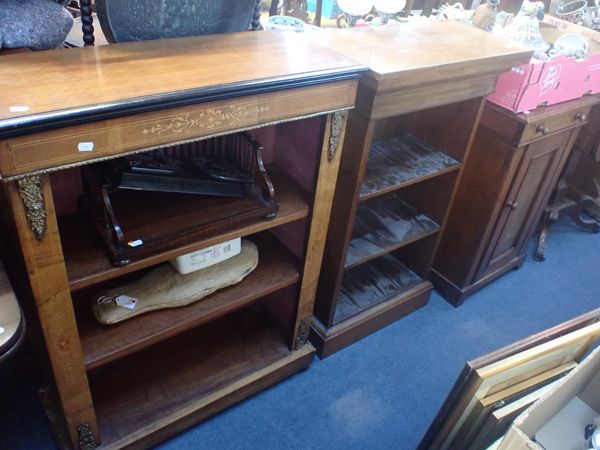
[
  {"x": 126, "y": 302},
  {"x": 135, "y": 243},
  {"x": 18, "y": 108},
  {"x": 85, "y": 146}
]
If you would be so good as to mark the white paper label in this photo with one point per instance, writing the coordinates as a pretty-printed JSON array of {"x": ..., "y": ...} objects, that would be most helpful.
[
  {"x": 126, "y": 301},
  {"x": 135, "y": 243},
  {"x": 202, "y": 256},
  {"x": 1, "y": 330},
  {"x": 85, "y": 146},
  {"x": 18, "y": 108}
]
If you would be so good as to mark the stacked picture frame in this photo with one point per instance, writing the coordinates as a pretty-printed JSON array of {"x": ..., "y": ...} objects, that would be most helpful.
[{"x": 494, "y": 389}]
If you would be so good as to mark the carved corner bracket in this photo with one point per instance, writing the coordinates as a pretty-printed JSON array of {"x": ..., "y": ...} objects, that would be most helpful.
[
  {"x": 302, "y": 335},
  {"x": 337, "y": 123},
  {"x": 87, "y": 441},
  {"x": 32, "y": 196}
]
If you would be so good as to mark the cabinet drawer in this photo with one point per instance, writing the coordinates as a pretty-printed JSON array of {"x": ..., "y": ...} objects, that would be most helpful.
[{"x": 543, "y": 126}]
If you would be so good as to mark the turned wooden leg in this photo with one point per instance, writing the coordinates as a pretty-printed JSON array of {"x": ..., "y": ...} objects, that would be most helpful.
[
  {"x": 87, "y": 22},
  {"x": 31, "y": 203},
  {"x": 550, "y": 217}
]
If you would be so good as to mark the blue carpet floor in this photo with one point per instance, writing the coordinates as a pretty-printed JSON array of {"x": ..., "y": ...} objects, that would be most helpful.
[{"x": 382, "y": 392}]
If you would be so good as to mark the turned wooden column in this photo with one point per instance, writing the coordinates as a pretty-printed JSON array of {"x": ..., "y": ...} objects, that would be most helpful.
[{"x": 87, "y": 22}]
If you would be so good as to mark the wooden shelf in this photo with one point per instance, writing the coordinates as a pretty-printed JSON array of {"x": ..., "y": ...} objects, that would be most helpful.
[
  {"x": 88, "y": 263},
  {"x": 372, "y": 283},
  {"x": 385, "y": 224},
  {"x": 102, "y": 344},
  {"x": 161, "y": 391},
  {"x": 399, "y": 162}
]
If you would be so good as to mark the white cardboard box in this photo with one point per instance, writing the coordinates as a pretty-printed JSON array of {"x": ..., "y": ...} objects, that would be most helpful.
[
  {"x": 206, "y": 257},
  {"x": 578, "y": 390}
]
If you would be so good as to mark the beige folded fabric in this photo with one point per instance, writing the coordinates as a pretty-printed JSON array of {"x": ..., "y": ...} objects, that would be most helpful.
[{"x": 164, "y": 287}]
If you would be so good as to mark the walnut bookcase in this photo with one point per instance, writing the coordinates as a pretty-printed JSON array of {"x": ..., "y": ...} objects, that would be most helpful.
[
  {"x": 138, "y": 382},
  {"x": 416, "y": 111}
]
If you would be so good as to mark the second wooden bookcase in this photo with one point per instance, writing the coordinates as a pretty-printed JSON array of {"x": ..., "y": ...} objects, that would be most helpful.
[{"x": 417, "y": 109}]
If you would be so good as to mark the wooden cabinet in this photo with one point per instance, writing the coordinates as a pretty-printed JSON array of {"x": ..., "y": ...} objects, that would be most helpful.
[
  {"x": 407, "y": 140},
  {"x": 534, "y": 177},
  {"x": 135, "y": 383},
  {"x": 514, "y": 165}
]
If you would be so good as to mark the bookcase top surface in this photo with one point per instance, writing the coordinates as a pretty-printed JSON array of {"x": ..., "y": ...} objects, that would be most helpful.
[
  {"x": 92, "y": 81},
  {"x": 425, "y": 51}
]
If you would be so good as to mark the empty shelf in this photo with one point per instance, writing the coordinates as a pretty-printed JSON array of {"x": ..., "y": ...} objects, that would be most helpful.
[
  {"x": 402, "y": 161},
  {"x": 385, "y": 224}
]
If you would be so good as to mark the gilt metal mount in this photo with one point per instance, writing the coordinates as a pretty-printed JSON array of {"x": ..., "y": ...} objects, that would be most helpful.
[
  {"x": 32, "y": 196},
  {"x": 337, "y": 123},
  {"x": 302, "y": 335},
  {"x": 87, "y": 441}
]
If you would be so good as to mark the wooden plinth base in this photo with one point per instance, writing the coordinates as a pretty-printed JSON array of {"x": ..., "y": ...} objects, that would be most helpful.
[
  {"x": 330, "y": 340},
  {"x": 456, "y": 295}
]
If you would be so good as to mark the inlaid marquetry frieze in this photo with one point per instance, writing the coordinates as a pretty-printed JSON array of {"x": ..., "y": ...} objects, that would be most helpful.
[{"x": 206, "y": 120}]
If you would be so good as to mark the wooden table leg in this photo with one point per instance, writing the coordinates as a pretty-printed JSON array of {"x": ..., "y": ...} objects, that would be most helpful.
[
  {"x": 30, "y": 200},
  {"x": 550, "y": 217}
]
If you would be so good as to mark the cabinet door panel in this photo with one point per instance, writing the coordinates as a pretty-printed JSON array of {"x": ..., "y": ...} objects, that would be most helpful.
[{"x": 536, "y": 176}]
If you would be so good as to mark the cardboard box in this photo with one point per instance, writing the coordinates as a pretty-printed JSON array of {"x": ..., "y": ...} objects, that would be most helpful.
[
  {"x": 550, "y": 82},
  {"x": 593, "y": 60},
  {"x": 562, "y": 412}
]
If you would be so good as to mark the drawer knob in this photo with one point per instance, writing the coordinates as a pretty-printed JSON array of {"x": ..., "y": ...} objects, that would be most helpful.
[
  {"x": 581, "y": 117},
  {"x": 512, "y": 205},
  {"x": 543, "y": 129}
]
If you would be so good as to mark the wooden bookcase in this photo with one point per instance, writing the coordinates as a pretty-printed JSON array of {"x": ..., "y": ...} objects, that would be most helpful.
[
  {"x": 140, "y": 381},
  {"x": 407, "y": 140}
]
